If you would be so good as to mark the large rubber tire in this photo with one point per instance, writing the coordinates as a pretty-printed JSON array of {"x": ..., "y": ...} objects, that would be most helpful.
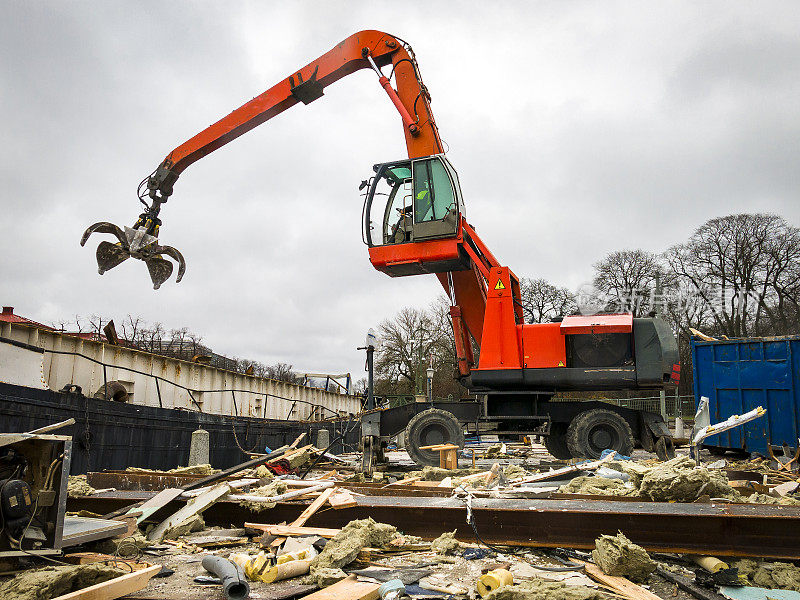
[
  {"x": 593, "y": 431},
  {"x": 556, "y": 442},
  {"x": 429, "y": 427},
  {"x": 113, "y": 390}
]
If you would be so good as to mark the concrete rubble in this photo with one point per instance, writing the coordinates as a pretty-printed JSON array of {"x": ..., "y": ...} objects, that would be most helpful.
[{"x": 319, "y": 531}]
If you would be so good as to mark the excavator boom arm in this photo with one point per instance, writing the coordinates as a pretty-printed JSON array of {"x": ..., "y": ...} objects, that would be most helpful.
[{"x": 362, "y": 50}]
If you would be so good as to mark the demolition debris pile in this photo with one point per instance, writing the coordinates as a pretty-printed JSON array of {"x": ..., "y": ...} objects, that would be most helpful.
[{"x": 479, "y": 530}]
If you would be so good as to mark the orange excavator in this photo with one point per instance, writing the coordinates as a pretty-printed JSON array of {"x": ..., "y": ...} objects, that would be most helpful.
[{"x": 414, "y": 222}]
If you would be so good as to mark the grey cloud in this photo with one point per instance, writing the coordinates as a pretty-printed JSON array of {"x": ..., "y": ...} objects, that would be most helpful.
[{"x": 576, "y": 130}]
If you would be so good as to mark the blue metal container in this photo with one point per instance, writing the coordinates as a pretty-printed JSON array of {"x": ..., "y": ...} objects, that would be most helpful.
[{"x": 739, "y": 375}]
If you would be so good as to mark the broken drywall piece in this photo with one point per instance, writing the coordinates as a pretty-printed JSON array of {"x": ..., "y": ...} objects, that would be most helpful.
[{"x": 618, "y": 556}]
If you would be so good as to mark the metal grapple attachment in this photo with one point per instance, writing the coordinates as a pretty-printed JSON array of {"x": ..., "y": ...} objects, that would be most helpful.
[{"x": 135, "y": 242}]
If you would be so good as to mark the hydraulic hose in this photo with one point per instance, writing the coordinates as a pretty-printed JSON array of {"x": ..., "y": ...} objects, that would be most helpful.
[{"x": 230, "y": 574}]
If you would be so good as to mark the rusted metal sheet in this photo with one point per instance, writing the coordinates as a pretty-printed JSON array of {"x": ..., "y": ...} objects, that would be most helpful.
[{"x": 719, "y": 529}]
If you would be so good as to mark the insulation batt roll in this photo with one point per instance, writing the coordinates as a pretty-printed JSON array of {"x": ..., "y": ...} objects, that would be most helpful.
[{"x": 287, "y": 570}]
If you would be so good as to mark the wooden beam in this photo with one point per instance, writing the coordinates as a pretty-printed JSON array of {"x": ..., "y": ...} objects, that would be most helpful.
[
  {"x": 306, "y": 514},
  {"x": 287, "y": 496},
  {"x": 292, "y": 530},
  {"x": 297, "y": 440},
  {"x": 405, "y": 481},
  {"x": 192, "y": 507}
]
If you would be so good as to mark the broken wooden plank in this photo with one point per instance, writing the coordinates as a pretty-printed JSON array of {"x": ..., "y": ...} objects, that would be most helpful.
[
  {"x": 306, "y": 514},
  {"x": 312, "y": 508},
  {"x": 492, "y": 474},
  {"x": 621, "y": 584},
  {"x": 115, "y": 588},
  {"x": 305, "y": 482},
  {"x": 287, "y": 530},
  {"x": 158, "y": 501},
  {"x": 405, "y": 481},
  {"x": 347, "y": 589},
  {"x": 439, "y": 447},
  {"x": 52, "y": 427},
  {"x": 239, "y": 483},
  {"x": 194, "y": 506}
]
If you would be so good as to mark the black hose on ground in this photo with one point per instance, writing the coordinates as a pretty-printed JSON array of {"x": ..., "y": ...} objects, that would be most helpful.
[{"x": 230, "y": 574}]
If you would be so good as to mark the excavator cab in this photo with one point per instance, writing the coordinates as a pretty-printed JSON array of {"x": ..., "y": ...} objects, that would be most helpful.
[{"x": 412, "y": 217}]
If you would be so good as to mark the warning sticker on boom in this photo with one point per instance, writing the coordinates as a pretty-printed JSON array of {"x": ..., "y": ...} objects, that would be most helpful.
[{"x": 499, "y": 285}]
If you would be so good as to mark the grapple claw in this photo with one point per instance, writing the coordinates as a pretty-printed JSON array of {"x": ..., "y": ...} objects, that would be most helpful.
[
  {"x": 109, "y": 256},
  {"x": 104, "y": 227},
  {"x": 160, "y": 269},
  {"x": 135, "y": 242},
  {"x": 177, "y": 257}
]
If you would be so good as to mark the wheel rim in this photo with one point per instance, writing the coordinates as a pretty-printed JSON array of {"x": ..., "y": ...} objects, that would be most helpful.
[
  {"x": 435, "y": 433},
  {"x": 603, "y": 436}
]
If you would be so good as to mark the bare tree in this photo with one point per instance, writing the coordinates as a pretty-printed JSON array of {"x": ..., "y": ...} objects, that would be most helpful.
[
  {"x": 360, "y": 387},
  {"x": 130, "y": 329},
  {"x": 542, "y": 301},
  {"x": 409, "y": 343},
  {"x": 743, "y": 269},
  {"x": 631, "y": 280},
  {"x": 282, "y": 372}
]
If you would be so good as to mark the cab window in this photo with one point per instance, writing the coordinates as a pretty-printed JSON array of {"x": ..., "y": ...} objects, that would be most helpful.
[{"x": 433, "y": 191}]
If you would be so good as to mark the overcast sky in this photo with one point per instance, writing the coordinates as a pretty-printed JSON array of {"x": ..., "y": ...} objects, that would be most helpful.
[{"x": 577, "y": 128}]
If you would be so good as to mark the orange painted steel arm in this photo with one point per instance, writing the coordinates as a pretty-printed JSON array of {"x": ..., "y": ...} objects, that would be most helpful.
[
  {"x": 306, "y": 85},
  {"x": 470, "y": 289}
]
